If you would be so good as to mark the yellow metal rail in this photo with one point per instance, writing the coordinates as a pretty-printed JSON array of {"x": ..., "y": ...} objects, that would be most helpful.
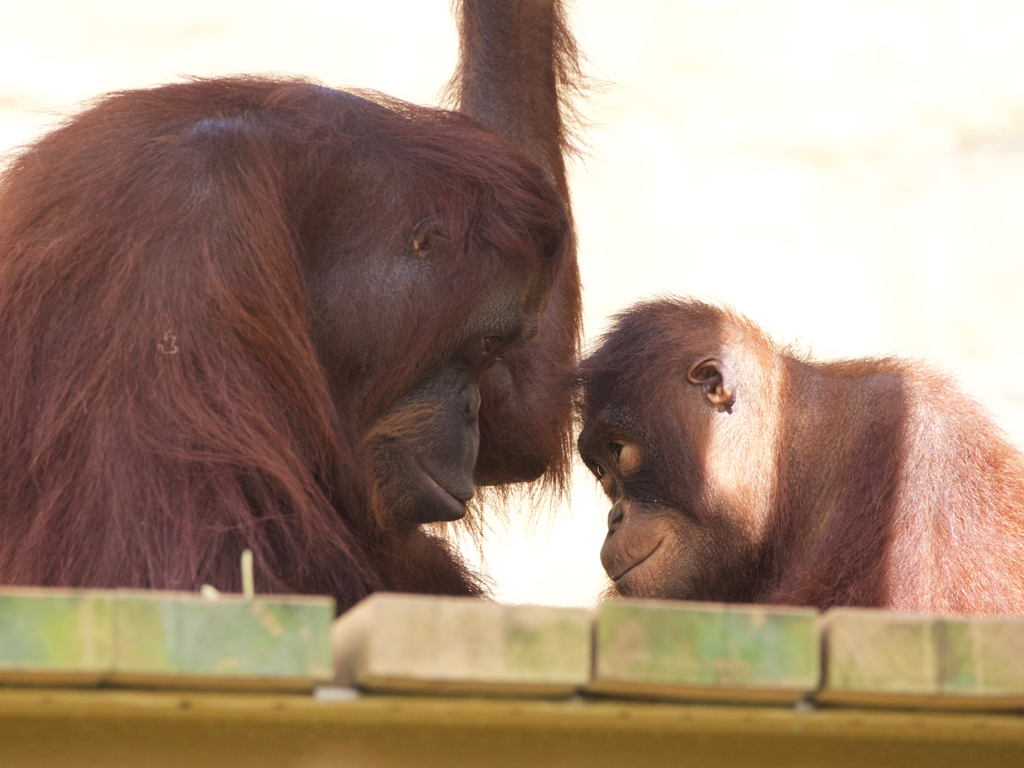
[{"x": 113, "y": 728}]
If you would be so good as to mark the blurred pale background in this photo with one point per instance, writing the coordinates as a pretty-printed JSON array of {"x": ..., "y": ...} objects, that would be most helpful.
[{"x": 849, "y": 173}]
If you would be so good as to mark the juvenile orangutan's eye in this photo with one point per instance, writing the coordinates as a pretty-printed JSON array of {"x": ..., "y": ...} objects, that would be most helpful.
[
  {"x": 422, "y": 244},
  {"x": 423, "y": 236},
  {"x": 599, "y": 471},
  {"x": 628, "y": 455}
]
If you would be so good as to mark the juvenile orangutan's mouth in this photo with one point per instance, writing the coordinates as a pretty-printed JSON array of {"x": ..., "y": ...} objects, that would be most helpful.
[{"x": 629, "y": 568}]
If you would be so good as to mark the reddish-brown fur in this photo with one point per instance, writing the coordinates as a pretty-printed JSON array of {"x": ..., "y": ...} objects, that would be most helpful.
[
  {"x": 779, "y": 480},
  {"x": 194, "y": 349}
]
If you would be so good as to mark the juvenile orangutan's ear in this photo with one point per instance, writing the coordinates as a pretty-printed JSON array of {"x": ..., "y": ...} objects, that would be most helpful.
[{"x": 715, "y": 380}]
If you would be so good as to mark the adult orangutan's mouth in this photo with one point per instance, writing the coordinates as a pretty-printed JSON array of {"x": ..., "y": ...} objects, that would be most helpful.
[
  {"x": 638, "y": 563},
  {"x": 450, "y": 505}
]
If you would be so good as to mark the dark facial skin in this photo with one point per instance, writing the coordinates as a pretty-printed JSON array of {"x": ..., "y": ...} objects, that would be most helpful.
[
  {"x": 645, "y": 539},
  {"x": 422, "y": 431},
  {"x": 423, "y": 449},
  {"x": 669, "y": 536}
]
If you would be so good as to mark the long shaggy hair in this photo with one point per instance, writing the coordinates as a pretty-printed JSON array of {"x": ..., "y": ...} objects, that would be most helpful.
[{"x": 168, "y": 400}]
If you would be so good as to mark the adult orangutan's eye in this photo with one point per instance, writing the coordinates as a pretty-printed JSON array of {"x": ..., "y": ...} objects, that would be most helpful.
[
  {"x": 616, "y": 450},
  {"x": 491, "y": 345}
]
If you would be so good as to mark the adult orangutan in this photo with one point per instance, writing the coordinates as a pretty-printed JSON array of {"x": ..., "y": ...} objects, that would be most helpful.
[
  {"x": 740, "y": 473},
  {"x": 257, "y": 313}
]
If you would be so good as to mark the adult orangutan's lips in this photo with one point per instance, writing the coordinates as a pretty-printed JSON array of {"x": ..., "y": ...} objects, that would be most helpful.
[
  {"x": 639, "y": 562},
  {"x": 451, "y": 504}
]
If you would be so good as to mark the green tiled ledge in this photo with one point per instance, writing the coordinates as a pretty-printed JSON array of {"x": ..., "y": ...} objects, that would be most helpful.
[
  {"x": 124, "y": 637},
  {"x": 414, "y": 643},
  {"x": 48, "y": 636},
  {"x": 705, "y": 651},
  {"x": 880, "y": 658}
]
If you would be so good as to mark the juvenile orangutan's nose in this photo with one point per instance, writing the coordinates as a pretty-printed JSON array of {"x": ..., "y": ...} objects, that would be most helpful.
[{"x": 617, "y": 515}]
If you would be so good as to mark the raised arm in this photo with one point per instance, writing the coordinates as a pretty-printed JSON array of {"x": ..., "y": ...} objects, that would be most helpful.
[{"x": 518, "y": 71}]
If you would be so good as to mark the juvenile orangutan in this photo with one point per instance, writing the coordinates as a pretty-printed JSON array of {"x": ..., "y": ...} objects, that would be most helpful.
[{"x": 740, "y": 473}]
